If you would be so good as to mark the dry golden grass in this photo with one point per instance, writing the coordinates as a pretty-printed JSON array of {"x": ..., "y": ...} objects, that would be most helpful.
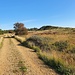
[{"x": 59, "y": 35}]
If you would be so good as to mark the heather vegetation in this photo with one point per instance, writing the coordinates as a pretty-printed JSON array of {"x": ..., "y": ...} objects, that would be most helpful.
[{"x": 57, "y": 49}]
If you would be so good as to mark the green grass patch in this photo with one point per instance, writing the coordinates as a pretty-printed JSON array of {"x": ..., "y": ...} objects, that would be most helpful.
[
  {"x": 1, "y": 43},
  {"x": 22, "y": 68}
]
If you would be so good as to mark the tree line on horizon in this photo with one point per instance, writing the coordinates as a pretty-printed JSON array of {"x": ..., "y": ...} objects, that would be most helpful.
[{"x": 20, "y": 29}]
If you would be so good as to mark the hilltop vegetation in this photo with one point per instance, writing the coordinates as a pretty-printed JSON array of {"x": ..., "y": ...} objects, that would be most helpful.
[
  {"x": 43, "y": 28},
  {"x": 2, "y": 31},
  {"x": 6, "y": 31},
  {"x": 49, "y": 27}
]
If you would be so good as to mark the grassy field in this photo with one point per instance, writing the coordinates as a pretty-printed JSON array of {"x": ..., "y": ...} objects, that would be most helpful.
[{"x": 56, "y": 47}]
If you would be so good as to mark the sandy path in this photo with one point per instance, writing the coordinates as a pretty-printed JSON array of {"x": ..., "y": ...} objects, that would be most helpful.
[
  {"x": 35, "y": 66},
  {"x": 12, "y": 53},
  {"x": 9, "y": 59}
]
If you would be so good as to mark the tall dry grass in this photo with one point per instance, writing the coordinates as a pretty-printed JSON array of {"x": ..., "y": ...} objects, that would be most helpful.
[{"x": 56, "y": 48}]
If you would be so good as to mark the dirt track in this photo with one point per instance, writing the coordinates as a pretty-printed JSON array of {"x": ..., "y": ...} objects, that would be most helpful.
[{"x": 12, "y": 52}]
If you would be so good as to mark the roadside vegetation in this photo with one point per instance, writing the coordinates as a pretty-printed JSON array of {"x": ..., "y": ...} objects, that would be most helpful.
[
  {"x": 6, "y": 31},
  {"x": 56, "y": 48},
  {"x": 20, "y": 39},
  {"x": 20, "y": 66},
  {"x": 1, "y": 41}
]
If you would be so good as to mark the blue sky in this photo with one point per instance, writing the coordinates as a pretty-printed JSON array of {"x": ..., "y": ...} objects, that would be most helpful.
[{"x": 36, "y": 13}]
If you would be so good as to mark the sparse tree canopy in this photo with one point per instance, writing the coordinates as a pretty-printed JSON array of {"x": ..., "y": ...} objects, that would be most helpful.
[{"x": 20, "y": 29}]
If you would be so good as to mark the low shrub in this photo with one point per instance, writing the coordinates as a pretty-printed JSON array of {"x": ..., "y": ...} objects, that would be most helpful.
[
  {"x": 56, "y": 64},
  {"x": 30, "y": 45},
  {"x": 61, "y": 45},
  {"x": 47, "y": 44},
  {"x": 43, "y": 43},
  {"x": 27, "y": 44}
]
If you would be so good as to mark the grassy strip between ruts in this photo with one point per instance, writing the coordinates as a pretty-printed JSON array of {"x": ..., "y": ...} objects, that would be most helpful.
[
  {"x": 20, "y": 64},
  {"x": 1, "y": 42},
  {"x": 58, "y": 65}
]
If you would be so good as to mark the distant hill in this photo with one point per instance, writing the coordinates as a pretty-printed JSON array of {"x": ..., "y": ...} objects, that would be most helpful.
[
  {"x": 43, "y": 28},
  {"x": 48, "y": 27}
]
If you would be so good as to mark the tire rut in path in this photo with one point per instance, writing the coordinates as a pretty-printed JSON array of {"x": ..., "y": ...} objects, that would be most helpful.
[
  {"x": 9, "y": 59},
  {"x": 34, "y": 64}
]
